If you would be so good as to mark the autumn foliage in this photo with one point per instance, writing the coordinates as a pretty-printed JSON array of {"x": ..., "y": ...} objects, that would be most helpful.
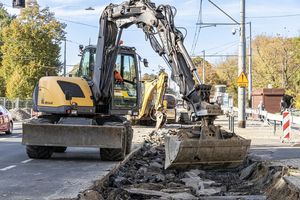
[{"x": 30, "y": 50}]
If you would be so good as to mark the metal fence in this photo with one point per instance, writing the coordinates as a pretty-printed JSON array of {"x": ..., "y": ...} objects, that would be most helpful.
[
  {"x": 264, "y": 115},
  {"x": 15, "y": 103}
]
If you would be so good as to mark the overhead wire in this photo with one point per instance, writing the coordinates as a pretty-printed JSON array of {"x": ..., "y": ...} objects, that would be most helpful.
[
  {"x": 274, "y": 16},
  {"x": 225, "y": 48},
  {"x": 222, "y": 45},
  {"x": 76, "y": 22},
  {"x": 197, "y": 30}
]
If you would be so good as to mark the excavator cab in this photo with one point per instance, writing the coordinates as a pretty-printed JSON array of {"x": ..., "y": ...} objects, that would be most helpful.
[
  {"x": 87, "y": 63},
  {"x": 126, "y": 78},
  {"x": 126, "y": 82},
  {"x": 72, "y": 117}
]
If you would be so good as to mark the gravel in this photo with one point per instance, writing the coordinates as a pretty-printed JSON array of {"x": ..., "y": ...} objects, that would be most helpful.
[{"x": 19, "y": 114}]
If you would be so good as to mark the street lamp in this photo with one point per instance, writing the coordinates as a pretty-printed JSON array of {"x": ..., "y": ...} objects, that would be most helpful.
[{"x": 90, "y": 8}]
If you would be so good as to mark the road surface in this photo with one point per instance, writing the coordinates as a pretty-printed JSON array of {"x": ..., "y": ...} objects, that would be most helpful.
[{"x": 64, "y": 175}]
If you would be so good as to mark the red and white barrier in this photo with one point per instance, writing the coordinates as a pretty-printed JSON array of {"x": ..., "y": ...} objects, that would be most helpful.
[{"x": 286, "y": 126}]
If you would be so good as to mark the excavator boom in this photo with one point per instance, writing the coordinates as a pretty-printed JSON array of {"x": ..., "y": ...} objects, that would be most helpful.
[
  {"x": 166, "y": 40},
  {"x": 72, "y": 101}
]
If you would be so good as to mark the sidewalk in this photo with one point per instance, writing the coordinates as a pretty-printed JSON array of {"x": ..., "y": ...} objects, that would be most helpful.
[{"x": 262, "y": 133}]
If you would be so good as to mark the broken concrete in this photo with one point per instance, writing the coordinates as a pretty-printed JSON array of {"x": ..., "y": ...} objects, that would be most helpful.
[
  {"x": 246, "y": 173},
  {"x": 143, "y": 177}
]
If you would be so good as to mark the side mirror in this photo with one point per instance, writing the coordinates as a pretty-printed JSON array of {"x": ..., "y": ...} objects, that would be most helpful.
[
  {"x": 80, "y": 50},
  {"x": 80, "y": 47},
  {"x": 68, "y": 96},
  {"x": 146, "y": 63}
]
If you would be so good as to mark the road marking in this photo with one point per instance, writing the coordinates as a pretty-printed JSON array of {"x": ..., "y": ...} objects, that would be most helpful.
[
  {"x": 26, "y": 161},
  {"x": 7, "y": 168},
  {"x": 1, "y": 139}
]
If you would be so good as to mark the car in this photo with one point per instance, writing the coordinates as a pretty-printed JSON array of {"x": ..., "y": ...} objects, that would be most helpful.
[{"x": 6, "y": 121}]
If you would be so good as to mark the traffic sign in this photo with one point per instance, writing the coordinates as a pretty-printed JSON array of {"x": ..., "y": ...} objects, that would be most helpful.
[{"x": 242, "y": 80}]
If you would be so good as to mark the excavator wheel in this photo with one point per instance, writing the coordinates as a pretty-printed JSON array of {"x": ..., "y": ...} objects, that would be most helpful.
[
  {"x": 39, "y": 152},
  {"x": 108, "y": 154},
  {"x": 129, "y": 135},
  {"x": 60, "y": 149}
]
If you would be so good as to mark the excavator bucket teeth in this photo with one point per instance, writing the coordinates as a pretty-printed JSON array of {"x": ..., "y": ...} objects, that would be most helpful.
[{"x": 206, "y": 154}]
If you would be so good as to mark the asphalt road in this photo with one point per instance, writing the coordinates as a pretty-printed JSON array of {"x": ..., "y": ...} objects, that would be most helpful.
[{"x": 64, "y": 175}]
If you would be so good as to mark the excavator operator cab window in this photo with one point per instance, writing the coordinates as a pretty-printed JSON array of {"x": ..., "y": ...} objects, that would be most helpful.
[
  {"x": 87, "y": 64},
  {"x": 125, "y": 81}
]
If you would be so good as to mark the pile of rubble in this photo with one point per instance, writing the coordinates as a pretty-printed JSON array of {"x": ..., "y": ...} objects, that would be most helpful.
[
  {"x": 143, "y": 177},
  {"x": 19, "y": 114}
]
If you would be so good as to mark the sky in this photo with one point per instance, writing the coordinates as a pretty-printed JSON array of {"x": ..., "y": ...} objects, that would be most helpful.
[{"x": 214, "y": 40}]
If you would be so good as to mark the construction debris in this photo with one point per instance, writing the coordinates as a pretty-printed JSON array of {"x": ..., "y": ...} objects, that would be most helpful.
[
  {"x": 144, "y": 177},
  {"x": 20, "y": 114}
]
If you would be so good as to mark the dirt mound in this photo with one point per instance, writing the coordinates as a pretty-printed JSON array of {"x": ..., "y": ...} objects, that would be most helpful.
[{"x": 20, "y": 114}]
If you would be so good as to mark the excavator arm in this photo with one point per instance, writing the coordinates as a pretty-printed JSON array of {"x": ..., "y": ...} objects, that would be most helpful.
[
  {"x": 204, "y": 145},
  {"x": 165, "y": 39}
]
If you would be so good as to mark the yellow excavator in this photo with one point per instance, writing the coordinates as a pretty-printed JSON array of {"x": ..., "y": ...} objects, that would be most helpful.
[
  {"x": 87, "y": 111},
  {"x": 153, "y": 90}
]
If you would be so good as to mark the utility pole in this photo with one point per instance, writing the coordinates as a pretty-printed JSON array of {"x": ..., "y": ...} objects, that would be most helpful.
[
  {"x": 203, "y": 67},
  {"x": 242, "y": 68},
  {"x": 65, "y": 58},
  {"x": 250, "y": 67}
]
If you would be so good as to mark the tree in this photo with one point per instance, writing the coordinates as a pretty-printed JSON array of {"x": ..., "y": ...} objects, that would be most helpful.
[
  {"x": 275, "y": 61},
  {"x": 228, "y": 73},
  {"x": 31, "y": 50},
  {"x": 211, "y": 76},
  {"x": 5, "y": 20}
]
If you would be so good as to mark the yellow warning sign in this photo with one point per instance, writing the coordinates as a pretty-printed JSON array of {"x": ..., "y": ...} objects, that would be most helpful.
[{"x": 242, "y": 80}]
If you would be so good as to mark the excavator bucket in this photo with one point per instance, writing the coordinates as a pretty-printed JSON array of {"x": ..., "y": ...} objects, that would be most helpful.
[{"x": 206, "y": 154}]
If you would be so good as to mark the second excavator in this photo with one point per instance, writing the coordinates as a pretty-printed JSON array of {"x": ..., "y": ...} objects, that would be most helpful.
[{"x": 204, "y": 145}]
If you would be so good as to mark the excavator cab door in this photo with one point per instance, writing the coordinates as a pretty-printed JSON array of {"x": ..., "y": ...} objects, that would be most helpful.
[
  {"x": 87, "y": 63},
  {"x": 126, "y": 84}
]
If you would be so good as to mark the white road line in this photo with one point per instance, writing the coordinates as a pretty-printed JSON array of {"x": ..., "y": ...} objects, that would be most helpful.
[
  {"x": 7, "y": 168},
  {"x": 26, "y": 161},
  {"x": 1, "y": 139}
]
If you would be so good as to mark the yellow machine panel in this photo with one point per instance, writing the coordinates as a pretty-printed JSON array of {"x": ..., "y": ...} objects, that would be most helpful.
[{"x": 58, "y": 94}]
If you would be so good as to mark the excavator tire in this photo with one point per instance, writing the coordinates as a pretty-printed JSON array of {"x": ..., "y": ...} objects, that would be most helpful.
[
  {"x": 39, "y": 152},
  {"x": 60, "y": 149},
  {"x": 129, "y": 135},
  {"x": 112, "y": 154},
  {"x": 108, "y": 154}
]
